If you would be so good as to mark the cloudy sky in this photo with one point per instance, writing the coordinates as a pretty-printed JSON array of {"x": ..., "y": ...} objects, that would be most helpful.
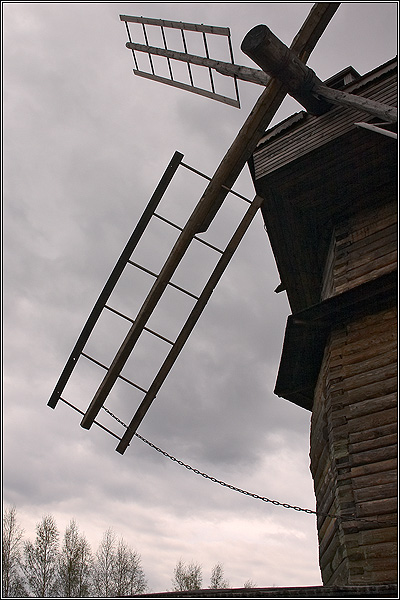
[{"x": 85, "y": 144}]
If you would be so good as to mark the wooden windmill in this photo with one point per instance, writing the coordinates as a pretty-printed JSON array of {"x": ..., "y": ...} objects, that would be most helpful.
[{"x": 283, "y": 71}]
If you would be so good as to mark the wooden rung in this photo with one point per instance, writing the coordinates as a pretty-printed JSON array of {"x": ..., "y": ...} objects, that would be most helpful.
[
  {"x": 181, "y": 289},
  {"x": 95, "y": 422},
  {"x": 120, "y": 314},
  {"x": 120, "y": 376},
  {"x": 195, "y": 237}
]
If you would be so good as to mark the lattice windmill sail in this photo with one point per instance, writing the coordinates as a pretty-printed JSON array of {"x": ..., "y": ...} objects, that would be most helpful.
[
  {"x": 204, "y": 61},
  {"x": 302, "y": 83}
]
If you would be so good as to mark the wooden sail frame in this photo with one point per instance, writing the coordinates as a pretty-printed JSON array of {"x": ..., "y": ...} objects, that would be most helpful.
[
  {"x": 189, "y": 59},
  {"x": 220, "y": 185}
]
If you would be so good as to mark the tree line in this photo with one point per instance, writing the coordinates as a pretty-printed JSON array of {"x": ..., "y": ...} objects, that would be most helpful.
[{"x": 52, "y": 566}]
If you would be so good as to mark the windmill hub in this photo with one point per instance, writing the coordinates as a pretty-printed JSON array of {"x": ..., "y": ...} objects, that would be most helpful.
[{"x": 278, "y": 61}]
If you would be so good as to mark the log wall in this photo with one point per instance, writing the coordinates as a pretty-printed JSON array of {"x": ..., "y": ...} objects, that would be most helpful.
[
  {"x": 363, "y": 246},
  {"x": 353, "y": 452}
]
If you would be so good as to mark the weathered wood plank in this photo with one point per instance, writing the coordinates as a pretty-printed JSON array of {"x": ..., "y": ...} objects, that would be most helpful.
[
  {"x": 385, "y": 506},
  {"x": 372, "y": 406},
  {"x": 372, "y": 390},
  {"x": 376, "y": 492},
  {"x": 388, "y": 534},
  {"x": 176, "y": 25},
  {"x": 376, "y": 433},
  {"x": 378, "y": 478},
  {"x": 370, "y": 267},
  {"x": 366, "y": 377},
  {"x": 354, "y": 364},
  {"x": 368, "y": 457},
  {"x": 386, "y": 465},
  {"x": 341, "y": 98}
]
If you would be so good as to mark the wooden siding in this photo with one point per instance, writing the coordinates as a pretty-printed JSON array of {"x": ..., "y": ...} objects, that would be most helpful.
[
  {"x": 354, "y": 449},
  {"x": 363, "y": 247},
  {"x": 314, "y": 132}
]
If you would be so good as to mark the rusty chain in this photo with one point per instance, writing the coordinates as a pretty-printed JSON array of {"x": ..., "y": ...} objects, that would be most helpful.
[{"x": 241, "y": 491}]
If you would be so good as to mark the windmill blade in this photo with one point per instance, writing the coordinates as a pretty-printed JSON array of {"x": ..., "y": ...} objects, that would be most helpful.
[
  {"x": 220, "y": 185},
  {"x": 222, "y": 67}
]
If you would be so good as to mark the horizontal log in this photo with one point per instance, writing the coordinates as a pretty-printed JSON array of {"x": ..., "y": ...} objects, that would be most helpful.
[
  {"x": 387, "y": 465},
  {"x": 373, "y": 356},
  {"x": 376, "y": 492},
  {"x": 372, "y": 390},
  {"x": 375, "y": 508},
  {"x": 359, "y": 342},
  {"x": 367, "y": 222},
  {"x": 378, "y": 478},
  {"x": 366, "y": 422},
  {"x": 327, "y": 529},
  {"x": 373, "y": 405},
  {"x": 368, "y": 377},
  {"x": 378, "y": 321},
  {"x": 377, "y": 573},
  {"x": 368, "y": 457},
  {"x": 387, "y": 534},
  {"x": 360, "y": 275},
  {"x": 378, "y": 442},
  {"x": 365, "y": 263},
  {"x": 373, "y": 434},
  {"x": 354, "y": 260},
  {"x": 331, "y": 547},
  {"x": 373, "y": 239}
]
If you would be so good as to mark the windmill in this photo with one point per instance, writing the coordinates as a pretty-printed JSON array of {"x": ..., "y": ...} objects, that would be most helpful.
[{"x": 282, "y": 71}]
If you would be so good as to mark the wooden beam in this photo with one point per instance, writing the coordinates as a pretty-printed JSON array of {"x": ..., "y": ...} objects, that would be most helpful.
[
  {"x": 232, "y": 70},
  {"x": 341, "y": 98},
  {"x": 177, "y": 25}
]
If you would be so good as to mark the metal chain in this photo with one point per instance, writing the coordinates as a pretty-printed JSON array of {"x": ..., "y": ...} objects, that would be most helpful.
[{"x": 236, "y": 489}]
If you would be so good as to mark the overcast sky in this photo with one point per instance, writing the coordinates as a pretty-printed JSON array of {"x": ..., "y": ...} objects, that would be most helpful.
[{"x": 85, "y": 144}]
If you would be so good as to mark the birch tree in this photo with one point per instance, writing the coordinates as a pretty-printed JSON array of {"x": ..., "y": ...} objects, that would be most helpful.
[
  {"x": 74, "y": 564},
  {"x": 117, "y": 569},
  {"x": 103, "y": 570},
  {"x": 12, "y": 583},
  {"x": 129, "y": 576},
  {"x": 187, "y": 577},
  {"x": 217, "y": 580},
  {"x": 40, "y": 559}
]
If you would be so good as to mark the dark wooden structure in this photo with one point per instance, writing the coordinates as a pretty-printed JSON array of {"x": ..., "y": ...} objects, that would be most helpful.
[
  {"x": 329, "y": 185},
  {"x": 361, "y": 591}
]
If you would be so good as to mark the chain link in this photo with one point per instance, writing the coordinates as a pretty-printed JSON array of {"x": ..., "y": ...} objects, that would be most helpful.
[{"x": 246, "y": 493}]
